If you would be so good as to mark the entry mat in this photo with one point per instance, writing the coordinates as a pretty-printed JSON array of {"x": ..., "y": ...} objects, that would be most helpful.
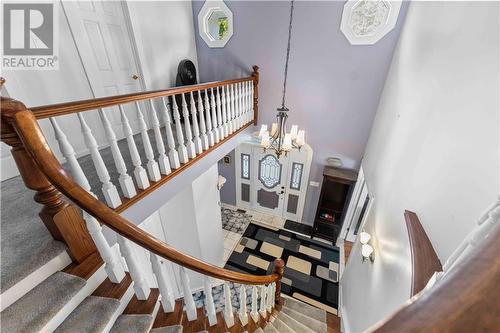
[{"x": 312, "y": 267}]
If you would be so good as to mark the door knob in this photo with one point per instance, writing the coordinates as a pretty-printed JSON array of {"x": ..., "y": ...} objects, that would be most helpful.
[
  {"x": 282, "y": 192},
  {"x": 135, "y": 76}
]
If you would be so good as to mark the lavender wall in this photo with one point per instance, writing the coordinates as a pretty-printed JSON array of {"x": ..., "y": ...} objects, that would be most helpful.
[{"x": 333, "y": 87}]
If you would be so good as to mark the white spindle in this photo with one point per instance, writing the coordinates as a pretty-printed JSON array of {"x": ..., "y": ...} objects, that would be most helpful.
[
  {"x": 152, "y": 165},
  {"x": 243, "y": 305},
  {"x": 269, "y": 293},
  {"x": 108, "y": 188},
  {"x": 197, "y": 141},
  {"x": 164, "y": 283},
  {"x": 140, "y": 175},
  {"x": 225, "y": 127},
  {"x": 113, "y": 265},
  {"x": 172, "y": 152},
  {"x": 203, "y": 128},
  {"x": 240, "y": 106},
  {"x": 220, "y": 129},
  {"x": 251, "y": 101},
  {"x": 188, "y": 296},
  {"x": 141, "y": 286},
  {"x": 162, "y": 158},
  {"x": 209, "y": 302},
  {"x": 210, "y": 132},
  {"x": 243, "y": 103},
  {"x": 228, "y": 306},
  {"x": 273, "y": 294},
  {"x": 126, "y": 182},
  {"x": 229, "y": 110},
  {"x": 247, "y": 108},
  {"x": 213, "y": 107},
  {"x": 187, "y": 129},
  {"x": 262, "y": 308},
  {"x": 233, "y": 108},
  {"x": 181, "y": 148},
  {"x": 255, "y": 309}
]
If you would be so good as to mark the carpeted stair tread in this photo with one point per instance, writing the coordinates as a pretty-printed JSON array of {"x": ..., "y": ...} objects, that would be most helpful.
[
  {"x": 305, "y": 309},
  {"x": 270, "y": 329},
  {"x": 26, "y": 243},
  {"x": 281, "y": 326},
  {"x": 293, "y": 324},
  {"x": 168, "y": 329},
  {"x": 315, "y": 325},
  {"x": 92, "y": 315},
  {"x": 132, "y": 323},
  {"x": 34, "y": 310},
  {"x": 259, "y": 330}
]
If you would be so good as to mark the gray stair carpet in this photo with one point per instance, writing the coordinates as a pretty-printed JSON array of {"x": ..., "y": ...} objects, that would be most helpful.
[
  {"x": 315, "y": 325},
  {"x": 26, "y": 243},
  {"x": 271, "y": 329},
  {"x": 132, "y": 323},
  {"x": 34, "y": 310},
  {"x": 281, "y": 326},
  {"x": 168, "y": 329},
  {"x": 92, "y": 315},
  {"x": 305, "y": 309},
  {"x": 293, "y": 324},
  {"x": 259, "y": 330}
]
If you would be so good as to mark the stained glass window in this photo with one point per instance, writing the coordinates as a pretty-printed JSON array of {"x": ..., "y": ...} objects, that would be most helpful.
[
  {"x": 296, "y": 176},
  {"x": 245, "y": 166},
  {"x": 269, "y": 171}
]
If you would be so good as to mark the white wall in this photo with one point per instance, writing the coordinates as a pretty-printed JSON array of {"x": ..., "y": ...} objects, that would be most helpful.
[{"x": 433, "y": 148}]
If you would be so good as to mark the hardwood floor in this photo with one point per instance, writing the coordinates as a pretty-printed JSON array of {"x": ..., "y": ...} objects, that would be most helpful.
[
  {"x": 347, "y": 249},
  {"x": 333, "y": 323}
]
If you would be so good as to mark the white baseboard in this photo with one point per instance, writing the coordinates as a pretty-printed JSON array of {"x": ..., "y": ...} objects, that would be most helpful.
[
  {"x": 31, "y": 281},
  {"x": 344, "y": 322}
]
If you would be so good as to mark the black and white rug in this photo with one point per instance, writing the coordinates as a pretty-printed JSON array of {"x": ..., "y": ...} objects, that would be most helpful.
[{"x": 312, "y": 267}]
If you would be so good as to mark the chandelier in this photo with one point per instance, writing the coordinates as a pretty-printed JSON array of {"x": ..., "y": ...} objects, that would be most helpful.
[{"x": 278, "y": 139}]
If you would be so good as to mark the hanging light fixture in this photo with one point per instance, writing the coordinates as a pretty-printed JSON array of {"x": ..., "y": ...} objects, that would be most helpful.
[{"x": 278, "y": 139}]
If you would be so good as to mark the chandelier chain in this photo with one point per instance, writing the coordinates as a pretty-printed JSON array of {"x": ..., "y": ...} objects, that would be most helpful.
[{"x": 287, "y": 54}]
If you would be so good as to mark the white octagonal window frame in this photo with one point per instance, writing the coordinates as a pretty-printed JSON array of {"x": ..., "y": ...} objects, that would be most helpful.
[
  {"x": 210, "y": 7},
  {"x": 382, "y": 19}
]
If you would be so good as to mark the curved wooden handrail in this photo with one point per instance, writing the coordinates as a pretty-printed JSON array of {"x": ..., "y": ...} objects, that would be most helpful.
[
  {"x": 54, "y": 110},
  {"x": 424, "y": 259},
  {"x": 26, "y": 125}
]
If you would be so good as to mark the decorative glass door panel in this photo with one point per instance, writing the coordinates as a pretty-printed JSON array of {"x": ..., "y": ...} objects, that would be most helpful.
[{"x": 270, "y": 171}]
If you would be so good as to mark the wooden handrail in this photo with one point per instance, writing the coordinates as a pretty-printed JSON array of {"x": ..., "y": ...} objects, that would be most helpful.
[
  {"x": 26, "y": 126},
  {"x": 54, "y": 110},
  {"x": 424, "y": 259}
]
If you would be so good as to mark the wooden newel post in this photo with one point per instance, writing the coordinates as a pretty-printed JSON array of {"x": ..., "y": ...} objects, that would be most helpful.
[
  {"x": 279, "y": 268},
  {"x": 255, "y": 76},
  {"x": 63, "y": 221}
]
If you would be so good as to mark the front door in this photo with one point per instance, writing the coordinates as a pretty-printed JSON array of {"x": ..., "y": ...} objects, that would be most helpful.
[{"x": 269, "y": 183}]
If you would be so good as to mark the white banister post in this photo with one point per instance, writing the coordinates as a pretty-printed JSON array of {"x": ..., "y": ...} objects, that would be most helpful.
[
  {"x": 164, "y": 283},
  {"x": 239, "y": 107},
  {"x": 187, "y": 129},
  {"x": 243, "y": 305},
  {"x": 229, "y": 110},
  {"x": 220, "y": 129},
  {"x": 210, "y": 132},
  {"x": 262, "y": 308},
  {"x": 269, "y": 293},
  {"x": 228, "y": 306},
  {"x": 173, "y": 156},
  {"x": 248, "y": 102},
  {"x": 273, "y": 294},
  {"x": 225, "y": 127},
  {"x": 242, "y": 103},
  {"x": 139, "y": 173},
  {"x": 233, "y": 108},
  {"x": 209, "y": 302},
  {"x": 213, "y": 107},
  {"x": 108, "y": 188},
  {"x": 113, "y": 265},
  {"x": 196, "y": 129},
  {"x": 141, "y": 286},
  {"x": 203, "y": 128},
  {"x": 188, "y": 296},
  {"x": 251, "y": 100},
  {"x": 255, "y": 310},
  {"x": 181, "y": 148},
  {"x": 152, "y": 166},
  {"x": 126, "y": 182},
  {"x": 162, "y": 158}
]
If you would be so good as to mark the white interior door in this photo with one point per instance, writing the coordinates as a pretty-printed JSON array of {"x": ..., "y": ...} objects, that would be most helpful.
[
  {"x": 268, "y": 195},
  {"x": 107, "y": 49}
]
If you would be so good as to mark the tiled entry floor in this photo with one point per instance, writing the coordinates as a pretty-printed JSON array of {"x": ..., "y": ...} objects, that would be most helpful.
[{"x": 235, "y": 221}]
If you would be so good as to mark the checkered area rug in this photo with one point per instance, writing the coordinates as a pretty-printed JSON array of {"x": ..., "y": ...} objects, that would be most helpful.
[
  {"x": 235, "y": 220},
  {"x": 312, "y": 267}
]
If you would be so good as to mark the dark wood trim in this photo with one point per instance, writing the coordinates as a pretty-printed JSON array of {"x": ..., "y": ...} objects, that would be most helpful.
[
  {"x": 31, "y": 135},
  {"x": 172, "y": 318},
  {"x": 465, "y": 300},
  {"x": 136, "y": 306},
  {"x": 54, "y": 110},
  {"x": 113, "y": 290},
  {"x": 255, "y": 77},
  {"x": 141, "y": 194},
  {"x": 87, "y": 268},
  {"x": 425, "y": 261}
]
